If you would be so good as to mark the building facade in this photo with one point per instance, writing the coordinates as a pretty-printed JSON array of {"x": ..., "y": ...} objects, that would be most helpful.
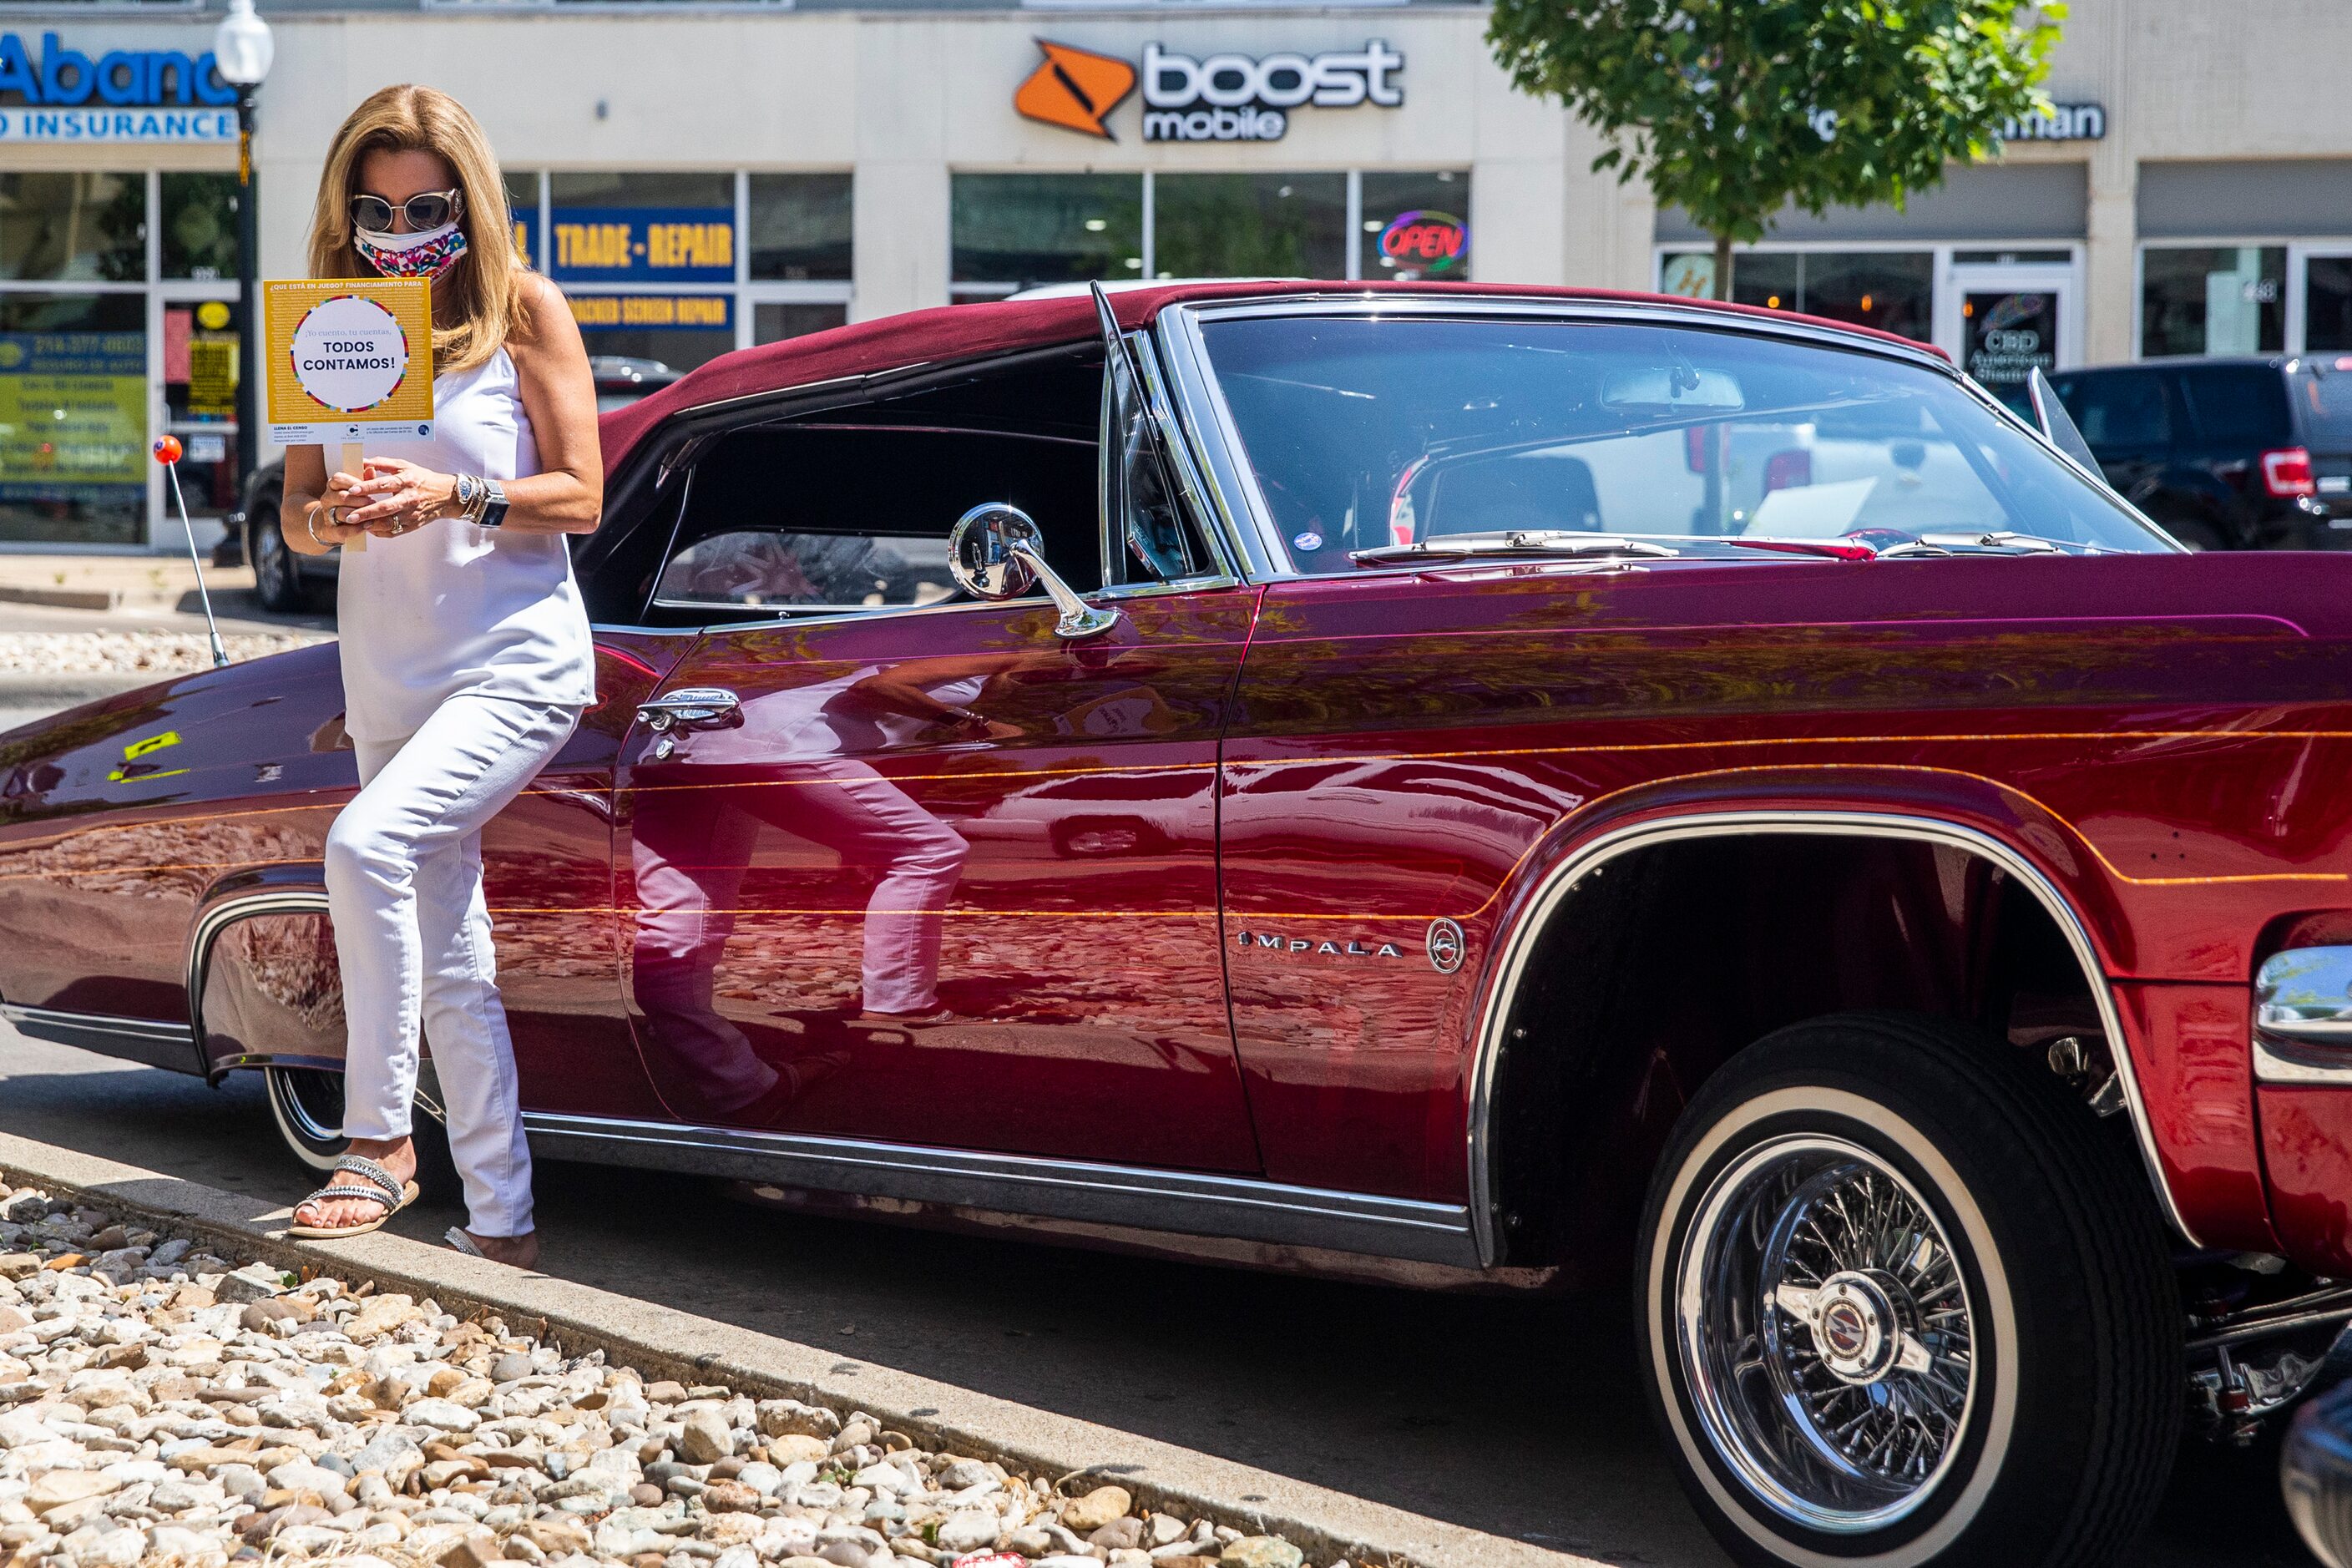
[{"x": 704, "y": 177}]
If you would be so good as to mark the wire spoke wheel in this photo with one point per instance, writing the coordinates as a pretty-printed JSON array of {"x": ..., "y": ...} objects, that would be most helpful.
[{"x": 1826, "y": 1332}]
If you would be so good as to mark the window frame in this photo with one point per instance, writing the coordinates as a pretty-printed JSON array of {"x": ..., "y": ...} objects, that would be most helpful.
[
  {"x": 2294, "y": 300},
  {"x": 694, "y": 444}
]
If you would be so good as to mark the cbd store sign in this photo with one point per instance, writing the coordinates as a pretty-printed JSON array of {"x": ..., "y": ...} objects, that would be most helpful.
[{"x": 1215, "y": 98}]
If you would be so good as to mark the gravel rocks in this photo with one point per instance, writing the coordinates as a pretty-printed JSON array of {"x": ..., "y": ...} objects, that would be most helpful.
[
  {"x": 159, "y": 1405},
  {"x": 135, "y": 652}
]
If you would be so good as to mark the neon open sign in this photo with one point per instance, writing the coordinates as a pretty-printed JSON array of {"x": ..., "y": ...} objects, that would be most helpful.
[{"x": 1426, "y": 241}]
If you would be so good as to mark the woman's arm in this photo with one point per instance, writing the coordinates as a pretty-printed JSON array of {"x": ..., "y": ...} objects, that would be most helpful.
[
  {"x": 306, "y": 485},
  {"x": 567, "y": 495}
]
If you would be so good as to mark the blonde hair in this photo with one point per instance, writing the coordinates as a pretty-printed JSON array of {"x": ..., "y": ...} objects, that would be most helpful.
[{"x": 475, "y": 303}]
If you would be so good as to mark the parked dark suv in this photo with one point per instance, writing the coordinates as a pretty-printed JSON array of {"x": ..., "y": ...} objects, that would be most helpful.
[
  {"x": 284, "y": 581},
  {"x": 2226, "y": 454}
]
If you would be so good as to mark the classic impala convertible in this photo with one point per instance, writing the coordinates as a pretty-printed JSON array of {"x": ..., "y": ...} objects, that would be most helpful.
[{"x": 1462, "y": 785}]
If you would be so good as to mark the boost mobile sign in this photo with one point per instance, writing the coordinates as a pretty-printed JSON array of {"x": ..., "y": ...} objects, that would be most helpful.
[
  {"x": 1232, "y": 97},
  {"x": 1220, "y": 98}
]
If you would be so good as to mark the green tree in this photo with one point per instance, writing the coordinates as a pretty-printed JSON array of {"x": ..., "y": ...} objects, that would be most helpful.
[{"x": 1731, "y": 107}]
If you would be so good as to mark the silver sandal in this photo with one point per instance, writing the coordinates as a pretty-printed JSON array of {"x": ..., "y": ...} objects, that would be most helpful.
[{"x": 380, "y": 1187}]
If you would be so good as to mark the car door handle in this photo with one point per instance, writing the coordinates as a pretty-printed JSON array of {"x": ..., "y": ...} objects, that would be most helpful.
[{"x": 687, "y": 705}]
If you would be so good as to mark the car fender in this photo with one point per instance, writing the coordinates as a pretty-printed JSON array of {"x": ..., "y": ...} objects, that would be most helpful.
[{"x": 1922, "y": 805}]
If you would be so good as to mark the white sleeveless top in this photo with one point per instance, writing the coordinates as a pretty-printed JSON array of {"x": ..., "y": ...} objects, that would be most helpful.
[{"x": 451, "y": 607}]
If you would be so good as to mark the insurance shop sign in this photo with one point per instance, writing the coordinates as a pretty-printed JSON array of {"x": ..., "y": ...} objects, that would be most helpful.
[{"x": 51, "y": 91}]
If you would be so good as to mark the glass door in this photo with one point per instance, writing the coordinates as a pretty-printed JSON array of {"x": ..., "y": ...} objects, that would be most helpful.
[
  {"x": 2001, "y": 320},
  {"x": 194, "y": 330}
]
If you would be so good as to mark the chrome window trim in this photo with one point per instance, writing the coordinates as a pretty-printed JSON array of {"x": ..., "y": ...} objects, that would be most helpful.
[
  {"x": 1194, "y": 500},
  {"x": 1228, "y": 483},
  {"x": 219, "y": 918},
  {"x": 1185, "y": 1202},
  {"x": 1520, "y": 944}
]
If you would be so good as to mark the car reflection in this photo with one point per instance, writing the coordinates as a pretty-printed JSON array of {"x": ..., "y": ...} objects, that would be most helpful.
[{"x": 690, "y": 867}]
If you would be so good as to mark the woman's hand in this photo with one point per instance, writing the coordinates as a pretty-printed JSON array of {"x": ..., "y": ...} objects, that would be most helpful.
[
  {"x": 393, "y": 497},
  {"x": 320, "y": 524}
]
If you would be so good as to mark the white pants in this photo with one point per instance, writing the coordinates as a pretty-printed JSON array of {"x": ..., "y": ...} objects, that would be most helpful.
[{"x": 413, "y": 937}]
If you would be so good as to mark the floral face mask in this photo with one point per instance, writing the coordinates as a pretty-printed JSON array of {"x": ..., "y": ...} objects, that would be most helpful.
[{"x": 428, "y": 254}]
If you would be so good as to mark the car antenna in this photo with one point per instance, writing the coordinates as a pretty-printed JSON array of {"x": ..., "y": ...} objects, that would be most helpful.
[{"x": 167, "y": 452}]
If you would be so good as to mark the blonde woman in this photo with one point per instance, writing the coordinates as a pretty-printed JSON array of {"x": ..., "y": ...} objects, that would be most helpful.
[{"x": 465, "y": 653}]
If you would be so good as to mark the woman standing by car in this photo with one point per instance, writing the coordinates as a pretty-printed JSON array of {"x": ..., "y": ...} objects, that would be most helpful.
[{"x": 465, "y": 651}]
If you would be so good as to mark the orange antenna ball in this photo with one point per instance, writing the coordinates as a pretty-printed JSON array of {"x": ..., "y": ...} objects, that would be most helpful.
[{"x": 167, "y": 450}]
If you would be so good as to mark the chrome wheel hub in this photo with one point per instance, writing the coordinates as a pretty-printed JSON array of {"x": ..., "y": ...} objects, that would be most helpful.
[
  {"x": 1825, "y": 1333},
  {"x": 1863, "y": 1322}
]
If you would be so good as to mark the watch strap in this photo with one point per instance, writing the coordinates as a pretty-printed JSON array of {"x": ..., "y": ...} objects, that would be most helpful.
[{"x": 494, "y": 504}]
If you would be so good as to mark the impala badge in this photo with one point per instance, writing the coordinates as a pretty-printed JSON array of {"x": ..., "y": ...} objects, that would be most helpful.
[
  {"x": 1275, "y": 941},
  {"x": 1446, "y": 946}
]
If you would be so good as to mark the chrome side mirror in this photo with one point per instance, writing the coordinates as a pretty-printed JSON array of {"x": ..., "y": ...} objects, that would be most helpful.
[{"x": 995, "y": 552}]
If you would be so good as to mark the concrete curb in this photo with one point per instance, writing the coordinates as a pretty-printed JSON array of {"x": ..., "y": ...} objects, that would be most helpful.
[
  {"x": 663, "y": 1343},
  {"x": 64, "y": 598}
]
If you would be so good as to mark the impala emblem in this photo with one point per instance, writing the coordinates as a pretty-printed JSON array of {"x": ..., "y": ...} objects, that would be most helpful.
[
  {"x": 1275, "y": 941},
  {"x": 1447, "y": 945}
]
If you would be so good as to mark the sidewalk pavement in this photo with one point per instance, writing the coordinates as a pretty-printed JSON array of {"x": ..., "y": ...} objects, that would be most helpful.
[{"x": 139, "y": 584}]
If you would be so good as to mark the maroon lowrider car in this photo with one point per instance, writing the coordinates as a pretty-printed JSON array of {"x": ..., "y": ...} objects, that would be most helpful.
[{"x": 1466, "y": 785}]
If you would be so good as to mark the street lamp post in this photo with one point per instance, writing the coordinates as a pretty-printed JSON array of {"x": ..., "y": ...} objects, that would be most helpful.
[{"x": 242, "y": 50}]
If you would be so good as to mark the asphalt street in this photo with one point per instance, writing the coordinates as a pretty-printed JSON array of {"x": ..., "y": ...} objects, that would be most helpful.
[{"x": 1513, "y": 1416}]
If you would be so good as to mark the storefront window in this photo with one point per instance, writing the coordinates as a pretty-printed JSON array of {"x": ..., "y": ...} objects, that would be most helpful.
[
  {"x": 774, "y": 323},
  {"x": 1893, "y": 291},
  {"x": 647, "y": 259},
  {"x": 73, "y": 416},
  {"x": 2328, "y": 303},
  {"x": 199, "y": 220},
  {"x": 1415, "y": 225},
  {"x": 2212, "y": 299},
  {"x": 1249, "y": 225},
  {"x": 83, "y": 228},
  {"x": 800, "y": 227},
  {"x": 1017, "y": 231}
]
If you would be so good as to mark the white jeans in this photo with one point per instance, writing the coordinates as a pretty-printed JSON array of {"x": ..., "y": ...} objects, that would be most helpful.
[{"x": 413, "y": 937}]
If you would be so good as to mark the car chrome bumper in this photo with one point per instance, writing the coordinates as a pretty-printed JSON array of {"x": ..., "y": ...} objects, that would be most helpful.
[{"x": 2302, "y": 1017}]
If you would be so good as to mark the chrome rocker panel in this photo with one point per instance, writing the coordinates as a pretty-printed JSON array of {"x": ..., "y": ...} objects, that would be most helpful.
[
  {"x": 1183, "y": 1202},
  {"x": 153, "y": 1041}
]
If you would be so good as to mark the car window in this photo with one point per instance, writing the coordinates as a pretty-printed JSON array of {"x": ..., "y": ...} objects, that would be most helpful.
[
  {"x": 1365, "y": 434},
  {"x": 2322, "y": 389},
  {"x": 2120, "y": 410},
  {"x": 794, "y": 519},
  {"x": 2237, "y": 405},
  {"x": 767, "y": 569}
]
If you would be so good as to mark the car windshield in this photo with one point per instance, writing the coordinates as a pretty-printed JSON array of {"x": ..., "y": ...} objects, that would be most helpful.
[{"x": 1375, "y": 434}]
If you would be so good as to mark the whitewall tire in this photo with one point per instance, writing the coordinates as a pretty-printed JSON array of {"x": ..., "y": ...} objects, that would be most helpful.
[{"x": 1906, "y": 1302}]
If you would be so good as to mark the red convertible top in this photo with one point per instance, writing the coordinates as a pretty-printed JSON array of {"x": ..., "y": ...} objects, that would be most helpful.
[{"x": 947, "y": 333}]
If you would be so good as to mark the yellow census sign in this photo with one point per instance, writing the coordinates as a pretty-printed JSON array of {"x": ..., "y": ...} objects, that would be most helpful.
[{"x": 351, "y": 359}]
